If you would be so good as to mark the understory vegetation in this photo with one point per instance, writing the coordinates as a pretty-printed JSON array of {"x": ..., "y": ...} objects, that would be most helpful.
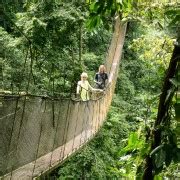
[{"x": 119, "y": 148}]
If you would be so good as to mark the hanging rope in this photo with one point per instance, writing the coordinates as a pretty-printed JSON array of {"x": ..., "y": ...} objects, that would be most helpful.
[
  {"x": 15, "y": 113},
  {"x": 65, "y": 131},
  {"x": 40, "y": 134},
  {"x": 76, "y": 126}
]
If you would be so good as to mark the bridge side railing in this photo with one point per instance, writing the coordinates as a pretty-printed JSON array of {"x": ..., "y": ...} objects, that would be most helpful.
[{"x": 39, "y": 133}]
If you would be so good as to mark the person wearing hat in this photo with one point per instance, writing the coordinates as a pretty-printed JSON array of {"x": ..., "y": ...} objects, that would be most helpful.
[{"x": 83, "y": 87}]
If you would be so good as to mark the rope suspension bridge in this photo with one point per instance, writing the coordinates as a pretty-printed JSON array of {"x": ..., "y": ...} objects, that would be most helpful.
[{"x": 38, "y": 133}]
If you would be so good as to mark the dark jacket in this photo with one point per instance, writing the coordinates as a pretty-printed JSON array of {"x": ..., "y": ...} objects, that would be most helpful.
[{"x": 100, "y": 79}]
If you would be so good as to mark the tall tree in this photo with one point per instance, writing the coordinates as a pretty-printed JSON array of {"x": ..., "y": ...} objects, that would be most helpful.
[{"x": 154, "y": 13}]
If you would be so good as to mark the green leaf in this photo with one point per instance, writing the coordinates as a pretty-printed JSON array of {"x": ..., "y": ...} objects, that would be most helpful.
[
  {"x": 145, "y": 149},
  {"x": 177, "y": 130},
  {"x": 168, "y": 150},
  {"x": 157, "y": 177},
  {"x": 177, "y": 111},
  {"x": 119, "y": 1},
  {"x": 170, "y": 12},
  {"x": 176, "y": 155},
  {"x": 133, "y": 139},
  {"x": 160, "y": 158},
  {"x": 175, "y": 21},
  {"x": 93, "y": 22},
  {"x": 94, "y": 7}
]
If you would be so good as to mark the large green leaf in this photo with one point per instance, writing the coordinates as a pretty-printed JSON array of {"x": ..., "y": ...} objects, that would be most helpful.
[
  {"x": 157, "y": 177},
  {"x": 172, "y": 12},
  {"x": 176, "y": 155},
  {"x": 133, "y": 139},
  {"x": 160, "y": 158},
  {"x": 175, "y": 21},
  {"x": 177, "y": 130},
  {"x": 177, "y": 111},
  {"x": 169, "y": 155}
]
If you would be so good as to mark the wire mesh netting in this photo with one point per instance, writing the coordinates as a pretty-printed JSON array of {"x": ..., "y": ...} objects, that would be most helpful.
[{"x": 39, "y": 132}]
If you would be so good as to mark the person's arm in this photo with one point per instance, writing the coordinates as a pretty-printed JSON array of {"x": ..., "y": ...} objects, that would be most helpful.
[
  {"x": 106, "y": 76},
  {"x": 93, "y": 89},
  {"x": 90, "y": 87},
  {"x": 78, "y": 87},
  {"x": 106, "y": 79},
  {"x": 96, "y": 78}
]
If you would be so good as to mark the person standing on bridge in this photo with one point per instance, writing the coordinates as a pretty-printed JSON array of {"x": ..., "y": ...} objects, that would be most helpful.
[
  {"x": 83, "y": 88},
  {"x": 101, "y": 78}
]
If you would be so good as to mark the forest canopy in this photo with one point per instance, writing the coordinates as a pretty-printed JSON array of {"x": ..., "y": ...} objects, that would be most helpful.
[{"x": 45, "y": 47}]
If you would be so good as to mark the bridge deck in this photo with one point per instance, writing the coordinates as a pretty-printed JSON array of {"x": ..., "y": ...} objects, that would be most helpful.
[
  {"x": 50, "y": 160},
  {"x": 36, "y": 139}
]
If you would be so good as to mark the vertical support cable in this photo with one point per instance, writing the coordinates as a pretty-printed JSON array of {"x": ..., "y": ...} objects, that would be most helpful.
[
  {"x": 87, "y": 120},
  {"x": 76, "y": 125},
  {"x": 11, "y": 134},
  {"x": 56, "y": 129},
  {"x": 53, "y": 113},
  {"x": 82, "y": 130},
  {"x": 65, "y": 129},
  {"x": 99, "y": 115},
  {"x": 91, "y": 121},
  {"x": 37, "y": 150},
  {"x": 96, "y": 111}
]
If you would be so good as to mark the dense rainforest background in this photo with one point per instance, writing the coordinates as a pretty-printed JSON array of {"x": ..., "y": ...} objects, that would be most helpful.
[{"x": 45, "y": 46}]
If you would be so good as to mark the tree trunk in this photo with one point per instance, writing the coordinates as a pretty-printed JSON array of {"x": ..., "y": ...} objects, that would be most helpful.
[{"x": 164, "y": 104}]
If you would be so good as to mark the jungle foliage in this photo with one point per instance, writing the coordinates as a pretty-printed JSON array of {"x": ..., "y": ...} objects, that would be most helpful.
[
  {"x": 152, "y": 151},
  {"x": 165, "y": 16},
  {"x": 46, "y": 45},
  {"x": 120, "y": 148}
]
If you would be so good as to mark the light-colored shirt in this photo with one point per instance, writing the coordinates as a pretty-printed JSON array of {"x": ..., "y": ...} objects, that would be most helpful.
[{"x": 83, "y": 88}]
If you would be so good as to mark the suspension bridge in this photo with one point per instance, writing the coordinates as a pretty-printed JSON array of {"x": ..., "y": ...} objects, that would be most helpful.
[{"x": 39, "y": 133}]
